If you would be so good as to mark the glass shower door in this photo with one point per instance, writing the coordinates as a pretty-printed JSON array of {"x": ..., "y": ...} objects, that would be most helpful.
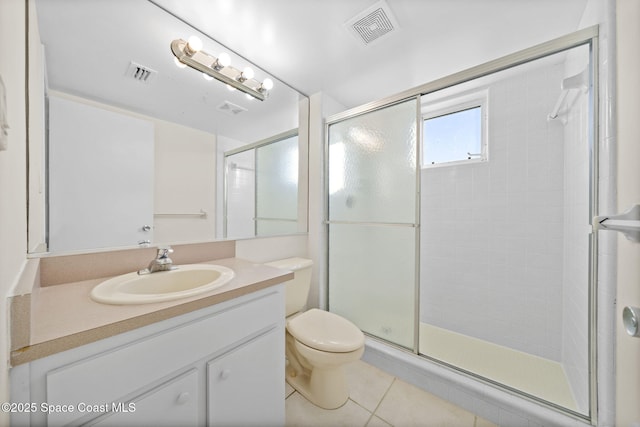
[
  {"x": 372, "y": 166},
  {"x": 240, "y": 191},
  {"x": 277, "y": 187}
]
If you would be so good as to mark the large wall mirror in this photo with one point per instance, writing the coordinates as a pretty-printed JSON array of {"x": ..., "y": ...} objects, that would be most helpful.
[{"x": 126, "y": 147}]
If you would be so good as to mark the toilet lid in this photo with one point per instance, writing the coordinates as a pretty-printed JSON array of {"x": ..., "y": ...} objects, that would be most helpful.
[{"x": 325, "y": 331}]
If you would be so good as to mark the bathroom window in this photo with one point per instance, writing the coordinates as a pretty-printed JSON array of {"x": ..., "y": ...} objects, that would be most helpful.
[{"x": 454, "y": 131}]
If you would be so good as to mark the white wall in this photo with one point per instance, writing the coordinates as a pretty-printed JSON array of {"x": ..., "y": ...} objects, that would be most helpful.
[
  {"x": 628, "y": 125},
  {"x": 320, "y": 107},
  {"x": 37, "y": 174},
  {"x": 13, "y": 197}
]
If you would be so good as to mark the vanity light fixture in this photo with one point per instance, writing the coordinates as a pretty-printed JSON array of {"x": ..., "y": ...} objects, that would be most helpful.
[{"x": 190, "y": 53}]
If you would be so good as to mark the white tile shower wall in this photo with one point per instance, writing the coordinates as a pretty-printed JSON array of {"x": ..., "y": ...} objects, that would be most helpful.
[
  {"x": 492, "y": 233},
  {"x": 575, "y": 299}
]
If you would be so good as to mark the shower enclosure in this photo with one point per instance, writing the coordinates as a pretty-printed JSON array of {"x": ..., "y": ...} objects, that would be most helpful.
[
  {"x": 261, "y": 188},
  {"x": 459, "y": 221}
]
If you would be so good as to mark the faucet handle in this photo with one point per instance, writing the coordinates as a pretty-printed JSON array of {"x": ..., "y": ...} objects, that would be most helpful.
[{"x": 164, "y": 252}]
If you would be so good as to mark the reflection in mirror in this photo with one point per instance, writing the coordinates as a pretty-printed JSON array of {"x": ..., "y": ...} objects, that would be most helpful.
[
  {"x": 104, "y": 85},
  {"x": 261, "y": 188}
]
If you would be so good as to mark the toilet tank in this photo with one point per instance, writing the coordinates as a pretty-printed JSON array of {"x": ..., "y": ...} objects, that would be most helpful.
[{"x": 297, "y": 289}]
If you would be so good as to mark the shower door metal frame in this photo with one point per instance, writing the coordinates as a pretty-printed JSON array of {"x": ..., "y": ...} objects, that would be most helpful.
[{"x": 585, "y": 37}]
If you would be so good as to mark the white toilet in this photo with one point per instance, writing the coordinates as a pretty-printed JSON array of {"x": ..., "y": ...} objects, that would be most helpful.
[{"x": 318, "y": 343}]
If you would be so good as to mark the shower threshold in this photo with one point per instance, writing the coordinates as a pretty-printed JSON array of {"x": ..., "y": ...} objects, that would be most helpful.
[{"x": 534, "y": 375}]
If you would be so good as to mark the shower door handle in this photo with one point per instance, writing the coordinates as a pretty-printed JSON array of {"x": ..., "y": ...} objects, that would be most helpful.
[{"x": 627, "y": 223}]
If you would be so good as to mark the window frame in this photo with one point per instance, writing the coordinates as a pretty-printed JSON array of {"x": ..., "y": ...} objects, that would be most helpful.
[{"x": 431, "y": 109}]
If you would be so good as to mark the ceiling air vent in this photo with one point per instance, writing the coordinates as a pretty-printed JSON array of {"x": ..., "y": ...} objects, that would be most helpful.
[
  {"x": 140, "y": 73},
  {"x": 373, "y": 23},
  {"x": 231, "y": 108}
]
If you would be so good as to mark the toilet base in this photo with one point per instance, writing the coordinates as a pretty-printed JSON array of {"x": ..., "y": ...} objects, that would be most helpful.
[{"x": 324, "y": 387}]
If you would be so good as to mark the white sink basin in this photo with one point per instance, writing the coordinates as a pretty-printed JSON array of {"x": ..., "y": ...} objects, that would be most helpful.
[{"x": 185, "y": 281}]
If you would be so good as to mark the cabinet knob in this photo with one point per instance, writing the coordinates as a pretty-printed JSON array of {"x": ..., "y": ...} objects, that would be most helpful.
[
  {"x": 225, "y": 373},
  {"x": 183, "y": 398}
]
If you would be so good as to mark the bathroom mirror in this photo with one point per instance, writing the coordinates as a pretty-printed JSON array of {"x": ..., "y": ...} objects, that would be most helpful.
[
  {"x": 267, "y": 172},
  {"x": 103, "y": 78}
]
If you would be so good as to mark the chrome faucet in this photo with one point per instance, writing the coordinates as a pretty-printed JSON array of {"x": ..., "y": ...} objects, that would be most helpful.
[{"x": 162, "y": 262}]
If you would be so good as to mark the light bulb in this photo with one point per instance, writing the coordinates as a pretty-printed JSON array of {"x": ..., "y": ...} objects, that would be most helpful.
[
  {"x": 247, "y": 73},
  {"x": 178, "y": 63},
  {"x": 224, "y": 59},
  {"x": 249, "y": 97},
  {"x": 231, "y": 88},
  {"x": 267, "y": 84},
  {"x": 207, "y": 76},
  {"x": 194, "y": 44}
]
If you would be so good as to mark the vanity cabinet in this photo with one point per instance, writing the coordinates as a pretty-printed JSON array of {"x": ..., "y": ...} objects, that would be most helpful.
[{"x": 220, "y": 365}]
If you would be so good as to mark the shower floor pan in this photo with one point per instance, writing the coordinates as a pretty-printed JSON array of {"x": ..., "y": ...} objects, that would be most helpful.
[{"x": 533, "y": 375}]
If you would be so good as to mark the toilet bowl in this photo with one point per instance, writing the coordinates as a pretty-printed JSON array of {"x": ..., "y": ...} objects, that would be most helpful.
[{"x": 318, "y": 343}]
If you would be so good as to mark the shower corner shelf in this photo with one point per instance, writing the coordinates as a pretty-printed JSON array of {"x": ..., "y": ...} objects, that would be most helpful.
[{"x": 627, "y": 223}]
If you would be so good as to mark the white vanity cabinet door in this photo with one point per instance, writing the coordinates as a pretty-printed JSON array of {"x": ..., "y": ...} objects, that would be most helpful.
[
  {"x": 174, "y": 403},
  {"x": 245, "y": 386}
]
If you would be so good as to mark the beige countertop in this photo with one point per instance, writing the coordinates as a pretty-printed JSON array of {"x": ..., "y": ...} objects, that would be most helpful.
[{"x": 64, "y": 316}]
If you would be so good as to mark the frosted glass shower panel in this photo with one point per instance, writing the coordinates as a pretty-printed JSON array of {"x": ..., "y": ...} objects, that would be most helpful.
[
  {"x": 372, "y": 166},
  {"x": 372, "y": 221},
  {"x": 372, "y": 279},
  {"x": 277, "y": 187},
  {"x": 240, "y": 194}
]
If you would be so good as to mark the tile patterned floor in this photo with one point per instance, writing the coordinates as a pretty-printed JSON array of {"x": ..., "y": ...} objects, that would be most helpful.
[{"x": 379, "y": 400}]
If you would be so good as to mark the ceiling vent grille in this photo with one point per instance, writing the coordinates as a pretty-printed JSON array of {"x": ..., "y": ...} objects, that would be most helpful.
[
  {"x": 373, "y": 23},
  {"x": 141, "y": 73},
  {"x": 231, "y": 108}
]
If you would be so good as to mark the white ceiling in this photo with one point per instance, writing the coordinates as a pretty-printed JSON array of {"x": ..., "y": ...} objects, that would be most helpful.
[
  {"x": 89, "y": 43},
  {"x": 305, "y": 42}
]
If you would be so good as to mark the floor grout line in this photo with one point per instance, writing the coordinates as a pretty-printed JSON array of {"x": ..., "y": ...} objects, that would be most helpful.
[
  {"x": 370, "y": 413},
  {"x": 373, "y": 413},
  {"x": 381, "y": 400}
]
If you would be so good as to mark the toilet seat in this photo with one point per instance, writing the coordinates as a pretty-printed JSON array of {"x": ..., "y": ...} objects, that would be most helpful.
[{"x": 325, "y": 331}]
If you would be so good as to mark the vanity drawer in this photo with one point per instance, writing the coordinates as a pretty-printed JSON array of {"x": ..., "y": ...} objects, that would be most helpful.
[
  {"x": 128, "y": 369},
  {"x": 173, "y": 403}
]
